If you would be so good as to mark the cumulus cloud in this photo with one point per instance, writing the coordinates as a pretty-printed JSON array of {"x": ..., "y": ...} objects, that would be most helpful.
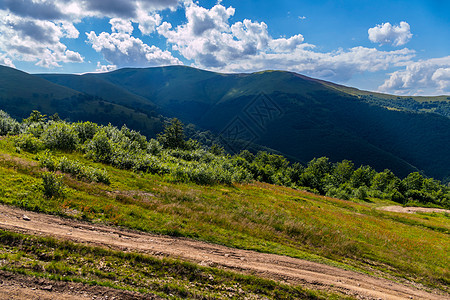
[
  {"x": 36, "y": 40},
  {"x": 208, "y": 39},
  {"x": 119, "y": 25},
  {"x": 419, "y": 76},
  {"x": 147, "y": 22},
  {"x": 41, "y": 10},
  {"x": 31, "y": 30},
  {"x": 6, "y": 61},
  {"x": 388, "y": 34},
  {"x": 72, "y": 10},
  {"x": 123, "y": 50},
  {"x": 105, "y": 68}
]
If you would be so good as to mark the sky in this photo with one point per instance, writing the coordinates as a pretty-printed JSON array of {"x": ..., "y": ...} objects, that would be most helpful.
[{"x": 398, "y": 47}]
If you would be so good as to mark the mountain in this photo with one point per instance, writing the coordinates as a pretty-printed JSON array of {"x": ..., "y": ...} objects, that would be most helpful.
[
  {"x": 20, "y": 93},
  {"x": 297, "y": 116}
]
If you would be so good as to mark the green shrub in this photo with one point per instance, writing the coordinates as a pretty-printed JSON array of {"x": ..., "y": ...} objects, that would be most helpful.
[
  {"x": 60, "y": 136},
  {"x": 101, "y": 176},
  {"x": 100, "y": 147},
  {"x": 28, "y": 142},
  {"x": 46, "y": 160},
  {"x": 85, "y": 130},
  {"x": 73, "y": 167},
  {"x": 8, "y": 125},
  {"x": 66, "y": 165},
  {"x": 154, "y": 147},
  {"x": 53, "y": 186}
]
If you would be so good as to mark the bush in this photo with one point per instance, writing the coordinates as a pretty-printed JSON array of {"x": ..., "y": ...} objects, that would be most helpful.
[
  {"x": 66, "y": 165},
  {"x": 60, "y": 136},
  {"x": 53, "y": 186},
  {"x": 85, "y": 130},
  {"x": 28, "y": 142},
  {"x": 8, "y": 125},
  {"x": 100, "y": 147},
  {"x": 73, "y": 167},
  {"x": 173, "y": 136},
  {"x": 154, "y": 147},
  {"x": 47, "y": 161}
]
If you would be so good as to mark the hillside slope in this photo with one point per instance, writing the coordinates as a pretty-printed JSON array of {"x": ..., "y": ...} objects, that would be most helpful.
[
  {"x": 299, "y": 116},
  {"x": 20, "y": 93},
  {"x": 356, "y": 235}
]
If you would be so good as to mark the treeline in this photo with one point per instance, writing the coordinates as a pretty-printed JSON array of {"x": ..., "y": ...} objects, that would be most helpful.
[{"x": 182, "y": 160}]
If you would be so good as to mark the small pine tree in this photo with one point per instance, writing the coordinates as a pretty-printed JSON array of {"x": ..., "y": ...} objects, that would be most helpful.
[{"x": 173, "y": 136}]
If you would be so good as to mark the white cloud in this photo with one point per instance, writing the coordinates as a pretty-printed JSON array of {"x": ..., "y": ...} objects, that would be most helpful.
[
  {"x": 31, "y": 30},
  {"x": 122, "y": 26},
  {"x": 442, "y": 78},
  {"x": 75, "y": 10},
  {"x": 123, "y": 50},
  {"x": 69, "y": 30},
  {"x": 388, "y": 34},
  {"x": 37, "y": 41},
  {"x": 208, "y": 39},
  {"x": 147, "y": 22},
  {"x": 105, "y": 68},
  {"x": 419, "y": 76},
  {"x": 6, "y": 61},
  {"x": 286, "y": 45}
]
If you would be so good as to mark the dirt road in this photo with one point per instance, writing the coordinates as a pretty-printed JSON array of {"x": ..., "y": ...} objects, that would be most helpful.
[{"x": 281, "y": 268}]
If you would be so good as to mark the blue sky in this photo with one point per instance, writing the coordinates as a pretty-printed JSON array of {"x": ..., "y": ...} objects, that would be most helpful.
[{"x": 400, "y": 47}]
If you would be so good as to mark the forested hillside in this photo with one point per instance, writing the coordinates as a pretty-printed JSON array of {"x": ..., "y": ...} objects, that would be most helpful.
[{"x": 282, "y": 112}]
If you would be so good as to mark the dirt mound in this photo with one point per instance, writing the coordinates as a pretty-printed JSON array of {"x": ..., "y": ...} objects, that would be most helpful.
[{"x": 280, "y": 268}]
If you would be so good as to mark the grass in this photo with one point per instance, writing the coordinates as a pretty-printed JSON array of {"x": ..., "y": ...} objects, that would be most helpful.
[
  {"x": 256, "y": 216},
  {"x": 168, "y": 278}
]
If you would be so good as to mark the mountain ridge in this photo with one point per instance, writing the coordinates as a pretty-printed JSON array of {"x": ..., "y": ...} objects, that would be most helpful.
[{"x": 309, "y": 117}]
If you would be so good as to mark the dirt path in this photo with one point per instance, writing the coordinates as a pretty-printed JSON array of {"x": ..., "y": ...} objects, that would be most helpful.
[
  {"x": 281, "y": 268},
  {"x": 410, "y": 210}
]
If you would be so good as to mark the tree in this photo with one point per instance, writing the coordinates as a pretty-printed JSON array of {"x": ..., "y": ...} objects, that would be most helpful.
[
  {"x": 173, "y": 136},
  {"x": 36, "y": 117},
  {"x": 362, "y": 176},
  {"x": 55, "y": 117},
  {"x": 217, "y": 150},
  {"x": 385, "y": 181},
  {"x": 413, "y": 181},
  {"x": 342, "y": 172},
  {"x": 314, "y": 175}
]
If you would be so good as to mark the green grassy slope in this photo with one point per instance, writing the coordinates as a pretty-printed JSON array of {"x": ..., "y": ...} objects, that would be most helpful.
[
  {"x": 20, "y": 93},
  {"x": 256, "y": 216},
  {"x": 26, "y": 86},
  {"x": 95, "y": 86}
]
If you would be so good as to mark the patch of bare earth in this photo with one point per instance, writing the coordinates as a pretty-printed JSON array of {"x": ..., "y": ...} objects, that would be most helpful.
[
  {"x": 281, "y": 268},
  {"x": 19, "y": 287},
  {"x": 411, "y": 210}
]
